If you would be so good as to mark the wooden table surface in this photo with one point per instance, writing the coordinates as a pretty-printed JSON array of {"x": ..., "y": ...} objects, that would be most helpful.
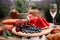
[{"x": 10, "y": 38}]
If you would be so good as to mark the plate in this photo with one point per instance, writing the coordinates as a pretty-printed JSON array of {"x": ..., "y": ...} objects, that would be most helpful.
[{"x": 43, "y": 32}]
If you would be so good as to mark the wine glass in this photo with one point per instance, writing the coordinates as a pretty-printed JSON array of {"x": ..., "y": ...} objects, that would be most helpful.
[{"x": 53, "y": 12}]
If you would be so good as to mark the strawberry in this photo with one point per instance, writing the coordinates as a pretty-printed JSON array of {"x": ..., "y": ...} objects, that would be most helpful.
[{"x": 45, "y": 21}]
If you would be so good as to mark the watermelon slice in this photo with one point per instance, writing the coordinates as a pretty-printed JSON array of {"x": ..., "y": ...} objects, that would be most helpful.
[
  {"x": 39, "y": 23},
  {"x": 31, "y": 19},
  {"x": 45, "y": 21}
]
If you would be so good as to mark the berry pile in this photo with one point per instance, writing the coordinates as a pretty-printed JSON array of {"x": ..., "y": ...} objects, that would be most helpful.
[
  {"x": 27, "y": 28},
  {"x": 31, "y": 30}
]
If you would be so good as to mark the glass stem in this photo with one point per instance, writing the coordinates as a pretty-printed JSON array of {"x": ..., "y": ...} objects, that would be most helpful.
[{"x": 54, "y": 21}]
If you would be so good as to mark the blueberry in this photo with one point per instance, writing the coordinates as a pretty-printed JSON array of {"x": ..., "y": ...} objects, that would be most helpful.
[
  {"x": 27, "y": 31},
  {"x": 36, "y": 31},
  {"x": 32, "y": 28},
  {"x": 39, "y": 30},
  {"x": 27, "y": 28},
  {"x": 32, "y": 32}
]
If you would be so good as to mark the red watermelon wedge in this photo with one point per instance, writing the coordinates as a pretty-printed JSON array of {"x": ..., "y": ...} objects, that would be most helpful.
[
  {"x": 31, "y": 19},
  {"x": 45, "y": 21},
  {"x": 40, "y": 23}
]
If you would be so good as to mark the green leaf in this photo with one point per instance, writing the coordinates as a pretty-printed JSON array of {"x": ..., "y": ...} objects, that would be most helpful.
[
  {"x": 21, "y": 6},
  {"x": 5, "y": 34},
  {"x": 8, "y": 33}
]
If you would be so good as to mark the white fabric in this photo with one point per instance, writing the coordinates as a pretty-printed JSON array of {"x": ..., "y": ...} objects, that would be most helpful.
[
  {"x": 43, "y": 38},
  {"x": 35, "y": 38},
  {"x": 53, "y": 14},
  {"x": 24, "y": 38},
  {"x": 52, "y": 25}
]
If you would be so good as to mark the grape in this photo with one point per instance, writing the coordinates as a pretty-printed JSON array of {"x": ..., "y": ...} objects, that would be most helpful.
[
  {"x": 17, "y": 29},
  {"x": 21, "y": 25},
  {"x": 27, "y": 28},
  {"x": 24, "y": 30}
]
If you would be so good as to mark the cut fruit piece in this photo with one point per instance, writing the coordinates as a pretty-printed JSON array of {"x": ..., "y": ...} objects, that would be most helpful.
[
  {"x": 45, "y": 22},
  {"x": 10, "y": 21},
  {"x": 40, "y": 23},
  {"x": 8, "y": 27},
  {"x": 55, "y": 30},
  {"x": 31, "y": 19}
]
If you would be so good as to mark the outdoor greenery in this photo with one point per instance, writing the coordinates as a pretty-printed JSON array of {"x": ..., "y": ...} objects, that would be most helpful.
[
  {"x": 21, "y": 6},
  {"x": 34, "y": 5}
]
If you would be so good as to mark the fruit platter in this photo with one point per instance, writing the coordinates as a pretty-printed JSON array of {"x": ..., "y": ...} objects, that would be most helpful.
[
  {"x": 28, "y": 30},
  {"x": 43, "y": 32},
  {"x": 32, "y": 26},
  {"x": 22, "y": 27}
]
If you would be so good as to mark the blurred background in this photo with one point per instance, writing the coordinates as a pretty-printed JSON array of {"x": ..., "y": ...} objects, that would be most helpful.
[{"x": 23, "y": 6}]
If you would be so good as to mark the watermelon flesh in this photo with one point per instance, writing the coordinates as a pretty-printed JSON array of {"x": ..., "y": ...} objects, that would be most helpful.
[
  {"x": 38, "y": 21},
  {"x": 31, "y": 19},
  {"x": 45, "y": 21}
]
